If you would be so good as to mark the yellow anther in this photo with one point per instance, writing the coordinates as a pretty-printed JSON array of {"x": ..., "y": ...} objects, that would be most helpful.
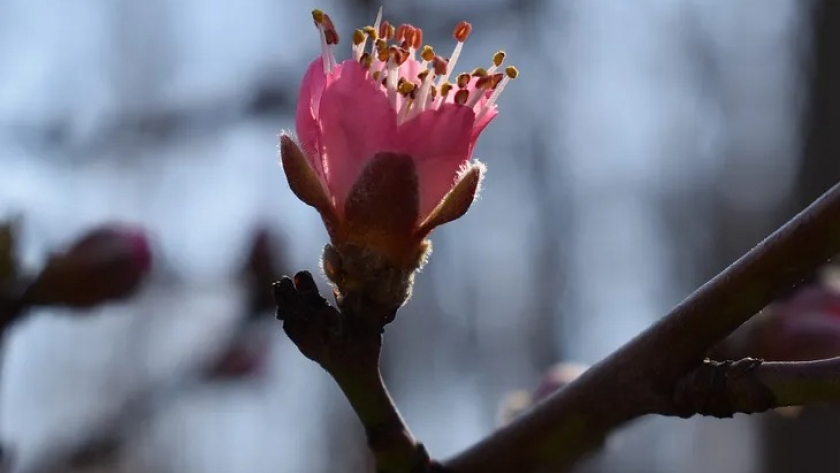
[
  {"x": 406, "y": 87},
  {"x": 371, "y": 32},
  {"x": 498, "y": 58},
  {"x": 512, "y": 72},
  {"x": 445, "y": 88},
  {"x": 358, "y": 37},
  {"x": 427, "y": 53},
  {"x": 318, "y": 16},
  {"x": 479, "y": 72}
]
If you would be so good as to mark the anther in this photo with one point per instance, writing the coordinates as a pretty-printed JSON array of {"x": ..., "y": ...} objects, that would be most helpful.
[
  {"x": 318, "y": 16},
  {"x": 358, "y": 37},
  {"x": 512, "y": 72},
  {"x": 440, "y": 65},
  {"x": 401, "y": 30},
  {"x": 461, "y": 96},
  {"x": 484, "y": 82},
  {"x": 418, "y": 38},
  {"x": 463, "y": 80},
  {"x": 399, "y": 55},
  {"x": 329, "y": 29},
  {"x": 427, "y": 53},
  {"x": 332, "y": 36},
  {"x": 496, "y": 78},
  {"x": 371, "y": 32},
  {"x": 386, "y": 30},
  {"x": 462, "y": 31},
  {"x": 479, "y": 72},
  {"x": 406, "y": 88},
  {"x": 445, "y": 88},
  {"x": 498, "y": 58}
]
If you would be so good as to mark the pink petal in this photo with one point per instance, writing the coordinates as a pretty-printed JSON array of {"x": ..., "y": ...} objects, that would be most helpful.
[
  {"x": 481, "y": 124},
  {"x": 440, "y": 142},
  {"x": 356, "y": 121},
  {"x": 306, "y": 118}
]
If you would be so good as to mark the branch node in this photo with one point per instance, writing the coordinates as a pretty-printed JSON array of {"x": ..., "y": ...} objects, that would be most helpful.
[{"x": 721, "y": 389}]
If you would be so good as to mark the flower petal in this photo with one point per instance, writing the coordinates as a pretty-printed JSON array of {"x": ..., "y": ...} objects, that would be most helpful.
[
  {"x": 356, "y": 122},
  {"x": 312, "y": 87},
  {"x": 440, "y": 142}
]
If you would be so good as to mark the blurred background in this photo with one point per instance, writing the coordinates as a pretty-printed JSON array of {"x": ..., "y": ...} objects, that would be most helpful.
[{"x": 644, "y": 147}]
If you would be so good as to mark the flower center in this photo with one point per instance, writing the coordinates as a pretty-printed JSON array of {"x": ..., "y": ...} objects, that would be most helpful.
[{"x": 411, "y": 85}]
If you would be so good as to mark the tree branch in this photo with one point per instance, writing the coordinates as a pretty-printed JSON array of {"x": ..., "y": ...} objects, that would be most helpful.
[
  {"x": 642, "y": 376},
  {"x": 347, "y": 346}
]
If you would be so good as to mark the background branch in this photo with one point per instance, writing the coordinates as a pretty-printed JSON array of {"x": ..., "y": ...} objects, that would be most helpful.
[{"x": 641, "y": 375}]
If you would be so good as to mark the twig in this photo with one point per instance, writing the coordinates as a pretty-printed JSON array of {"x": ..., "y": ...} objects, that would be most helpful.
[
  {"x": 642, "y": 375},
  {"x": 348, "y": 346},
  {"x": 722, "y": 389}
]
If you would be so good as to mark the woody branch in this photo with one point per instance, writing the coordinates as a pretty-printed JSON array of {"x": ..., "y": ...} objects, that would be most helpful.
[
  {"x": 662, "y": 371},
  {"x": 659, "y": 370}
]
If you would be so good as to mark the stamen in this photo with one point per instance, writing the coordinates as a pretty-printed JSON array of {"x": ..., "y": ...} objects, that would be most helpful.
[
  {"x": 402, "y": 115},
  {"x": 391, "y": 82},
  {"x": 423, "y": 94},
  {"x": 479, "y": 72},
  {"x": 510, "y": 74},
  {"x": 326, "y": 52},
  {"x": 481, "y": 86},
  {"x": 359, "y": 41},
  {"x": 498, "y": 59},
  {"x": 461, "y": 32}
]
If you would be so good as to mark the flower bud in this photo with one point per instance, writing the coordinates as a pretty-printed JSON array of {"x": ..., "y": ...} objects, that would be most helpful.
[
  {"x": 552, "y": 380},
  {"x": 107, "y": 263}
]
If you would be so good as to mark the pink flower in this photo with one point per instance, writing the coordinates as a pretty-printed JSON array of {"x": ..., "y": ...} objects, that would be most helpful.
[{"x": 386, "y": 140}]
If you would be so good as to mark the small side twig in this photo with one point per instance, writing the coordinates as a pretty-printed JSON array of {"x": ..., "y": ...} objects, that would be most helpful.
[
  {"x": 722, "y": 389},
  {"x": 348, "y": 345}
]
